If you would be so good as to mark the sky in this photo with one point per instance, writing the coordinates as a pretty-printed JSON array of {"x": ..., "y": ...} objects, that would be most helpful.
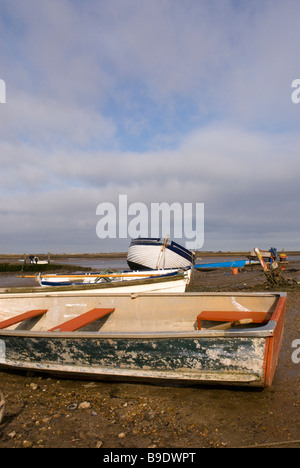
[{"x": 159, "y": 101}]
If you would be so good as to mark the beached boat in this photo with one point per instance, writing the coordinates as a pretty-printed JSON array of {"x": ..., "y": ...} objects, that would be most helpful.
[
  {"x": 60, "y": 279},
  {"x": 175, "y": 282},
  {"x": 154, "y": 253},
  {"x": 35, "y": 262},
  {"x": 267, "y": 255},
  {"x": 215, "y": 265},
  {"x": 250, "y": 263},
  {"x": 147, "y": 336}
]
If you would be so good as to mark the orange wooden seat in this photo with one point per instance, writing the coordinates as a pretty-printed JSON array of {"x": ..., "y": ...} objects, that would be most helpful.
[
  {"x": 82, "y": 320},
  {"x": 21, "y": 317},
  {"x": 228, "y": 316}
]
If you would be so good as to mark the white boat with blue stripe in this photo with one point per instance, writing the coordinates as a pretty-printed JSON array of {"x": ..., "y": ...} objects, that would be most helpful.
[{"x": 154, "y": 253}]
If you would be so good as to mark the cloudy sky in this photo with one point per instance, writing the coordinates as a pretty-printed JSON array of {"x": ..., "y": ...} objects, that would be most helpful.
[{"x": 186, "y": 101}]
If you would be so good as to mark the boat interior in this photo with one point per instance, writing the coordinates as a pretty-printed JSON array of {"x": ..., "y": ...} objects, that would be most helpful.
[{"x": 134, "y": 313}]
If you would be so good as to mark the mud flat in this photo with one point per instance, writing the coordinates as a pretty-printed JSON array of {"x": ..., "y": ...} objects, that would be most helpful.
[{"x": 42, "y": 411}]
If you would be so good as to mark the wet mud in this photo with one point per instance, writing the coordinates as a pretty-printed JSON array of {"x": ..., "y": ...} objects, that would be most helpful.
[{"x": 50, "y": 412}]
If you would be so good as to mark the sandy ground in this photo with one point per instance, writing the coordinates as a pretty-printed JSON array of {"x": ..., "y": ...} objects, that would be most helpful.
[{"x": 42, "y": 411}]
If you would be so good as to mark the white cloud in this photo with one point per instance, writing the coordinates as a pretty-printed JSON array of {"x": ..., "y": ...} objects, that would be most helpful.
[
  {"x": 43, "y": 121},
  {"x": 218, "y": 166},
  {"x": 163, "y": 101}
]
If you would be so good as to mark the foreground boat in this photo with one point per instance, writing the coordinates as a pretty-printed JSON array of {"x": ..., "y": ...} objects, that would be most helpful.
[
  {"x": 147, "y": 336},
  {"x": 153, "y": 253},
  {"x": 213, "y": 266}
]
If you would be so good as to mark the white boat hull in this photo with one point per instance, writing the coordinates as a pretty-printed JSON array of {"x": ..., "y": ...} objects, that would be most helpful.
[
  {"x": 157, "y": 256},
  {"x": 102, "y": 277},
  {"x": 176, "y": 284},
  {"x": 107, "y": 278}
]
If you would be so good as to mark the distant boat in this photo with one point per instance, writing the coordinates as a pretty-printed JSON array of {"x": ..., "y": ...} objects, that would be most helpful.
[
  {"x": 252, "y": 263},
  {"x": 154, "y": 253},
  {"x": 36, "y": 262},
  {"x": 213, "y": 266},
  {"x": 267, "y": 255}
]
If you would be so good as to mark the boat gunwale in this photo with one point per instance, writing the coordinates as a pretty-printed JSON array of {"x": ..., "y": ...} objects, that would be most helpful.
[
  {"x": 45, "y": 292},
  {"x": 260, "y": 331}
]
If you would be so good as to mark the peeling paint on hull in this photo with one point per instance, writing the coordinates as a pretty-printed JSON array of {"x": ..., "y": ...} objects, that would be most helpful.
[{"x": 230, "y": 360}]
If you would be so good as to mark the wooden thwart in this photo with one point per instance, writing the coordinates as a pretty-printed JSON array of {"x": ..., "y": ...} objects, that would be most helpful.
[
  {"x": 235, "y": 316},
  {"x": 21, "y": 317},
  {"x": 82, "y": 320}
]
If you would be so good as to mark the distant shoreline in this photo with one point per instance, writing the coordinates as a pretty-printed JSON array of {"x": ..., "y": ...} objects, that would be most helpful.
[
  {"x": 54, "y": 256},
  {"x": 65, "y": 255}
]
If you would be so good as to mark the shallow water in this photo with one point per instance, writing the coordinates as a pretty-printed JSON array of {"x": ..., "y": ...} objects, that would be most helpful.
[{"x": 96, "y": 263}]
